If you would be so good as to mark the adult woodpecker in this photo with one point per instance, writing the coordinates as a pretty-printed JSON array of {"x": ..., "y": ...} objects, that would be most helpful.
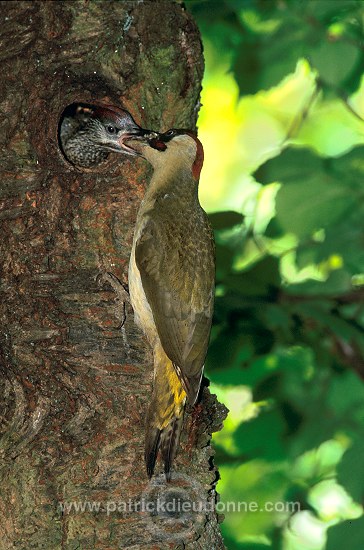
[
  {"x": 89, "y": 133},
  {"x": 171, "y": 283}
]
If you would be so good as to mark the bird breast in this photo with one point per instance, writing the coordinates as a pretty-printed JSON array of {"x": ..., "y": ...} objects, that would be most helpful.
[{"x": 143, "y": 315}]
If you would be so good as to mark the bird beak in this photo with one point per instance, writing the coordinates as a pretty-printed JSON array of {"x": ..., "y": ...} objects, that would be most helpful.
[{"x": 135, "y": 134}]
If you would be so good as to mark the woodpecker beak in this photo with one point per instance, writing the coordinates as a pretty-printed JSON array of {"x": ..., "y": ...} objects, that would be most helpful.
[{"x": 140, "y": 134}]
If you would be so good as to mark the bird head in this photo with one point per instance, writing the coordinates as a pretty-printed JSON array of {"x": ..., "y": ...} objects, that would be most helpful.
[
  {"x": 109, "y": 127},
  {"x": 173, "y": 148},
  {"x": 89, "y": 133}
]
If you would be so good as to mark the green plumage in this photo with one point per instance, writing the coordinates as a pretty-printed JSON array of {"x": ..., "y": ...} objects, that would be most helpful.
[
  {"x": 175, "y": 258},
  {"x": 171, "y": 281}
]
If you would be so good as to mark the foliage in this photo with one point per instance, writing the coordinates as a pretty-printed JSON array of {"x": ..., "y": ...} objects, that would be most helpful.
[{"x": 282, "y": 126}]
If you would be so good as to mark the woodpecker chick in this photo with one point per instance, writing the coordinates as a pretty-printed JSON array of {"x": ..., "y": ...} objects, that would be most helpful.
[
  {"x": 171, "y": 283},
  {"x": 89, "y": 134}
]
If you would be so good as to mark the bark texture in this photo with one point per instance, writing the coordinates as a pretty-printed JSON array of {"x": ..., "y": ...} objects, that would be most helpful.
[{"x": 74, "y": 387}]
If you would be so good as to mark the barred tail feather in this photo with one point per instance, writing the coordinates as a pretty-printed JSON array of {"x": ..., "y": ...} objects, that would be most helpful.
[
  {"x": 165, "y": 415},
  {"x": 167, "y": 440},
  {"x": 152, "y": 442},
  {"x": 170, "y": 442}
]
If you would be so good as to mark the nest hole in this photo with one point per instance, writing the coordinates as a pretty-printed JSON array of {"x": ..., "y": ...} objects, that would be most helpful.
[{"x": 74, "y": 137}]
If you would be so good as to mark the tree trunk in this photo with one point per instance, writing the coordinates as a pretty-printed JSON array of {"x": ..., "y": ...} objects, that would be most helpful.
[{"x": 75, "y": 387}]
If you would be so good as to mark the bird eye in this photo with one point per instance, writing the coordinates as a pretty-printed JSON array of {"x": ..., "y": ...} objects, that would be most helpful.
[
  {"x": 112, "y": 130},
  {"x": 170, "y": 133}
]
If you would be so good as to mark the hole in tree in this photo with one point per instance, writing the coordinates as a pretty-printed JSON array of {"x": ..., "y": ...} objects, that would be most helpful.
[{"x": 80, "y": 136}]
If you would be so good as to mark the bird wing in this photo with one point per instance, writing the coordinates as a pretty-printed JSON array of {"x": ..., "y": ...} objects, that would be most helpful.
[{"x": 176, "y": 261}]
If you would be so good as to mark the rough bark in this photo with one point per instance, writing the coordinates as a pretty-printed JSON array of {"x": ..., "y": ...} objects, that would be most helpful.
[{"x": 74, "y": 387}]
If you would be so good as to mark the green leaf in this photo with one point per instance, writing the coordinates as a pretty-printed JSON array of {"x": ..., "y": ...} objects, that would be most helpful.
[
  {"x": 262, "y": 436},
  {"x": 349, "y": 534},
  {"x": 277, "y": 318},
  {"x": 233, "y": 355},
  {"x": 261, "y": 279},
  {"x": 343, "y": 242},
  {"x": 223, "y": 220},
  {"x": 327, "y": 10},
  {"x": 310, "y": 204},
  {"x": 292, "y": 164},
  {"x": 351, "y": 471},
  {"x": 346, "y": 58},
  {"x": 346, "y": 395},
  {"x": 307, "y": 254},
  {"x": 349, "y": 167},
  {"x": 338, "y": 282},
  {"x": 224, "y": 260}
]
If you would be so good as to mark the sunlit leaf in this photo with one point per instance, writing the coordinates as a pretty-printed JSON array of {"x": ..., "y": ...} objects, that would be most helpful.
[
  {"x": 331, "y": 129},
  {"x": 332, "y": 501}
]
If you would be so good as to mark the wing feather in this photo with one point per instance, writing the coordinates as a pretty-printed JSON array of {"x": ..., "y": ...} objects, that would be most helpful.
[{"x": 176, "y": 261}]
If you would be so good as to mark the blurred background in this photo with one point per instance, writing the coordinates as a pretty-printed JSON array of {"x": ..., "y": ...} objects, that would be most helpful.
[{"x": 282, "y": 126}]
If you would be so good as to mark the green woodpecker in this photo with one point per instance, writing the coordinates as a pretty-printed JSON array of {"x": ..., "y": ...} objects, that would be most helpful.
[{"x": 171, "y": 283}]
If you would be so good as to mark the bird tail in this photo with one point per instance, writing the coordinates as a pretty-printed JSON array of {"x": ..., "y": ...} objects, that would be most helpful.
[{"x": 165, "y": 416}]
